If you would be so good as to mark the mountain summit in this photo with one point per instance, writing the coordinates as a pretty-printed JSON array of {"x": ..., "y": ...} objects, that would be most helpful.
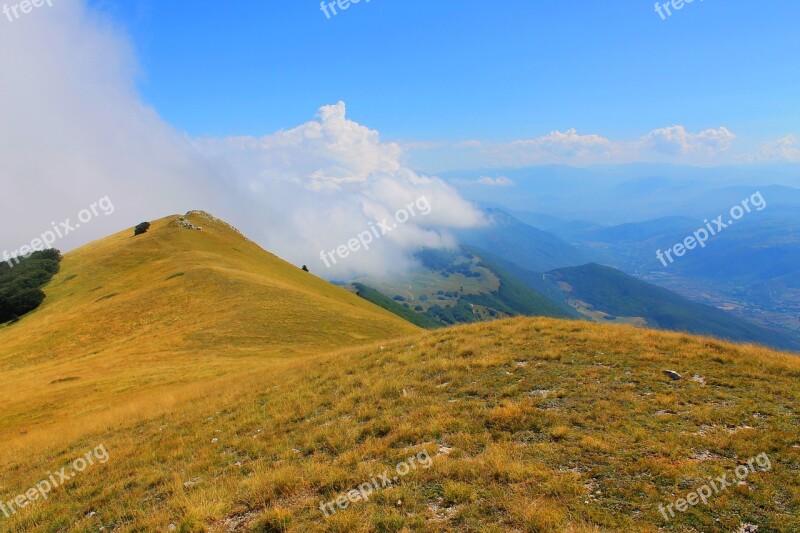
[{"x": 188, "y": 300}]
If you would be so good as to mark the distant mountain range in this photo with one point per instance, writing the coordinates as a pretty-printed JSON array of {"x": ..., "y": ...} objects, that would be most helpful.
[
  {"x": 621, "y": 215},
  {"x": 617, "y": 294},
  {"x": 520, "y": 243},
  {"x": 511, "y": 268},
  {"x": 617, "y": 194}
]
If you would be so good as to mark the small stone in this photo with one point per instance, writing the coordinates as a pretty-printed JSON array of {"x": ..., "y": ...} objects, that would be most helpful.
[{"x": 673, "y": 375}]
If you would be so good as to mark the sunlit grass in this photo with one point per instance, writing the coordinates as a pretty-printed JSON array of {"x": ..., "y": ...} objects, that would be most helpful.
[{"x": 533, "y": 425}]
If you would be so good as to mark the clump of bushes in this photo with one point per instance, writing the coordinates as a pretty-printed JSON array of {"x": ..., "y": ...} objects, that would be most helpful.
[
  {"x": 141, "y": 229},
  {"x": 20, "y": 285}
]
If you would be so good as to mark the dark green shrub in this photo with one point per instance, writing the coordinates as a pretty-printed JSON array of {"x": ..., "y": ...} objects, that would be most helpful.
[
  {"x": 21, "y": 282},
  {"x": 141, "y": 229}
]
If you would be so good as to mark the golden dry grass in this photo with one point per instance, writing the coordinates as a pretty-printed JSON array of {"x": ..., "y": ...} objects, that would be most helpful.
[
  {"x": 132, "y": 326},
  {"x": 533, "y": 425}
]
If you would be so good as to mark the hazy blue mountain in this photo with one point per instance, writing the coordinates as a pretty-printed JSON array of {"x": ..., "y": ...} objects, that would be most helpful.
[
  {"x": 616, "y": 194},
  {"x": 511, "y": 239}
]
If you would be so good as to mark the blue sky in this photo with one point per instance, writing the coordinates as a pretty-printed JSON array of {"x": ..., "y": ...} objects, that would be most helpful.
[
  {"x": 448, "y": 71},
  {"x": 301, "y": 130}
]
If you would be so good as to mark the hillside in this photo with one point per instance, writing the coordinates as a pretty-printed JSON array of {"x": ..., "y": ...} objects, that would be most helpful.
[
  {"x": 371, "y": 295},
  {"x": 231, "y": 391},
  {"x": 520, "y": 425},
  {"x": 524, "y": 245},
  {"x": 131, "y": 324},
  {"x": 461, "y": 286},
  {"x": 616, "y": 294}
]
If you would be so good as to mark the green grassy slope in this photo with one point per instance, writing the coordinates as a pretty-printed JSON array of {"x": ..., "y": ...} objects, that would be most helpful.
[
  {"x": 371, "y": 295},
  {"x": 533, "y": 280},
  {"x": 460, "y": 286},
  {"x": 524, "y": 289}
]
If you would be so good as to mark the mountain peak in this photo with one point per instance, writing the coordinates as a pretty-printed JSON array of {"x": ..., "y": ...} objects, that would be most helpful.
[{"x": 193, "y": 284}]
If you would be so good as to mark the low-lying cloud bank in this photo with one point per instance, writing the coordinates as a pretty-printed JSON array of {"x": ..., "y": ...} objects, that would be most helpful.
[{"x": 73, "y": 129}]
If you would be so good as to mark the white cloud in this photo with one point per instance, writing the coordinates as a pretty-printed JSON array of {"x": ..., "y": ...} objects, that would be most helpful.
[
  {"x": 567, "y": 144},
  {"x": 325, "y": 181},
  {"x": 675, "y": 140},
  {"x": 785, "y": 149},
  {"x": 73, "y": 129},
  {"x": 674, "y": 144}
]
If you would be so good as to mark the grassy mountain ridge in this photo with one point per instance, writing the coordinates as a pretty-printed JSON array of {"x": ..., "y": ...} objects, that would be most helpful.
[
  {"x": 134, "y": 319},
  {"x": 235, "y": 392},
  {"x": 531, "y": 425}
]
